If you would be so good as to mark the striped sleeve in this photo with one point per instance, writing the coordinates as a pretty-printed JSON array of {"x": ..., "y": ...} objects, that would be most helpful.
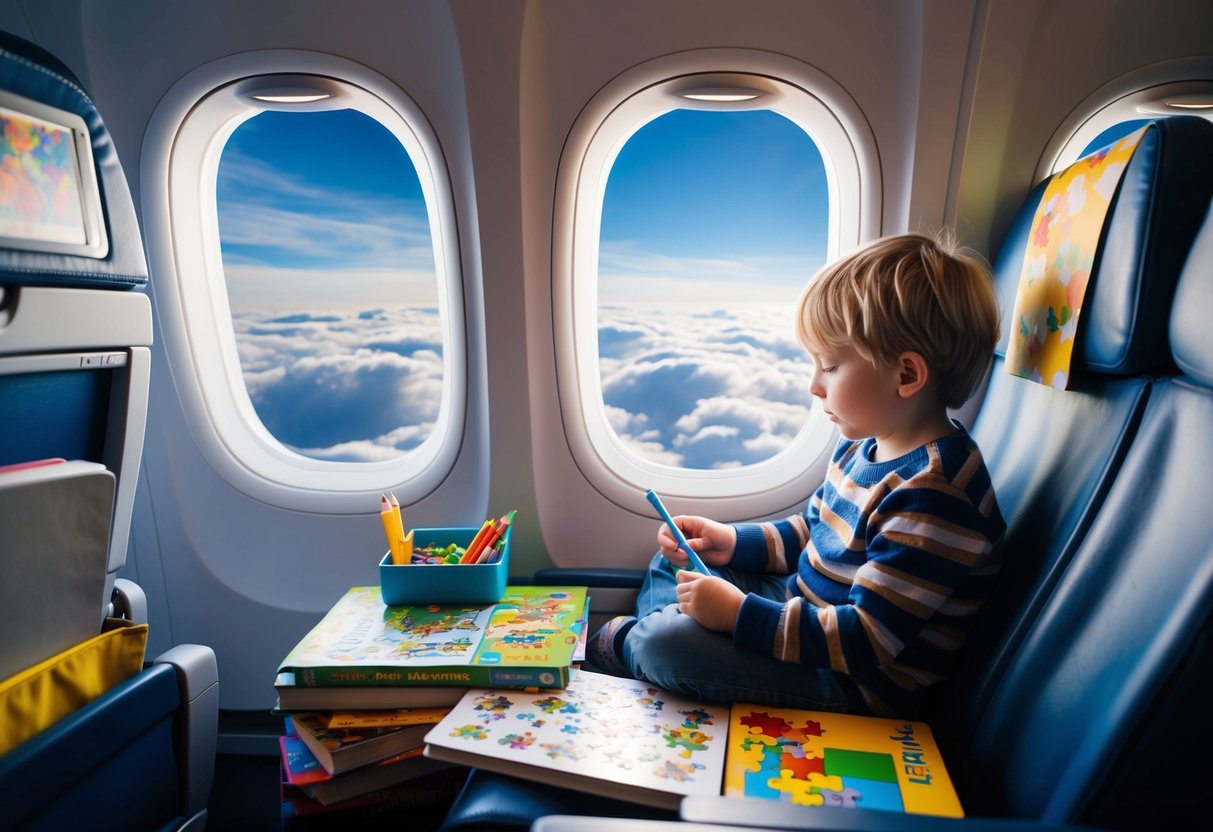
[
  {"x": 921, "y": 543},
  {"x": 772, "y": 546}
]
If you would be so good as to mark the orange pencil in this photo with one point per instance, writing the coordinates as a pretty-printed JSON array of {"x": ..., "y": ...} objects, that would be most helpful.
[{"x": 468, "y": 553}]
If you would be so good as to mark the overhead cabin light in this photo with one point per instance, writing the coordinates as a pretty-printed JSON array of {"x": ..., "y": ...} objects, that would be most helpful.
[
  {"x": 723, "y": 91},
  {"x": 1199, "y": 103},
  {"x": 291, "y": 92},
  {"x": 729, "y": 95},
  {"x": 301, "y": 98}
]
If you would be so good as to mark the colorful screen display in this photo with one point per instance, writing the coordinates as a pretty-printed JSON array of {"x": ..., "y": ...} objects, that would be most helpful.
[{"x": 39, "y": 181}]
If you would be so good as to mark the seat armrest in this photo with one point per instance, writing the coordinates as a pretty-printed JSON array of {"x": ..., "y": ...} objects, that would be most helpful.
[
  {"x": 757, "y": 813},
  {"x": 197, "y": 726},
  {"x": 128, "y": 601},
  {"x": 590, "y": 576}
]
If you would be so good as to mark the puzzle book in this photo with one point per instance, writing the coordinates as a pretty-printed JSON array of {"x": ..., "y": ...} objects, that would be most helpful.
[
  {"x": 617, "y": 737},
  {"x": 630, "y": 740},
  {"x": 526, "y": 639},
  {"x": 814, "y": 758}
]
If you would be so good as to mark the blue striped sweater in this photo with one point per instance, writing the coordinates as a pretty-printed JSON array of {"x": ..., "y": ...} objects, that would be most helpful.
[{"x": 887, "y": 566}]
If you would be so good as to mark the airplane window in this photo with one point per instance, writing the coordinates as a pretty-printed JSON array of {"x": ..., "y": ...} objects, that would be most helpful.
[
  {"x": 309, "y": 284},
  {"x": 331, "y": 281},
  {"x": 711, "y": 224},
  {"x": 692, "y": 207}
]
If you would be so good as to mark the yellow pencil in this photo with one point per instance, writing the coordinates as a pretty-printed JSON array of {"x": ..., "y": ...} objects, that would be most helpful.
[
  {"x": 405, "y": 540},
  {"x": 389, "y": 528}
]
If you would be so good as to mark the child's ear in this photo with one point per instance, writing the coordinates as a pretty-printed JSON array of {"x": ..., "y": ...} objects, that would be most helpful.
[{"x": 912, "y": 374}]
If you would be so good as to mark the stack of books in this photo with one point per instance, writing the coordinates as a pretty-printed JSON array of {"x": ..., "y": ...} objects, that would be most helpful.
[{"x": 361, "y": 690}]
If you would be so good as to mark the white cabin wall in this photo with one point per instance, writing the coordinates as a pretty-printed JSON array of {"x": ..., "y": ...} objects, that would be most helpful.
[{"x": 1040, "y": 59}]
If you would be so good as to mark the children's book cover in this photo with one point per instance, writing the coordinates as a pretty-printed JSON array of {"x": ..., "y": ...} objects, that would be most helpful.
[
  {"x": 525, "y": 639},
  {"x": 299, "y": 763},
  {"x": 602, "y": 734},
  {"x": 814, "y": 758}
]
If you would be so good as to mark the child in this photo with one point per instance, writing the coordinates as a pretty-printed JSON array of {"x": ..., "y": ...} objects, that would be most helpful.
[{"x": 860, "y": 603}]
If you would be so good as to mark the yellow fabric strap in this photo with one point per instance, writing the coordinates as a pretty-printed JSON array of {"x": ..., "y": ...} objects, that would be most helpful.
[
  {"x": 1057, "y": 263},
  {"x": 39, "y": 696}
]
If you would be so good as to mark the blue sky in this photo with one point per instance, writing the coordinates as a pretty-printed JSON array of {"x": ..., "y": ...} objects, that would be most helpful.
[{"x": 331, "y": 281}]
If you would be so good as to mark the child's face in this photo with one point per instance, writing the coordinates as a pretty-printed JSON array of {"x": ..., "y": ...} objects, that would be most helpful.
[{"x": 860, "y": 398}]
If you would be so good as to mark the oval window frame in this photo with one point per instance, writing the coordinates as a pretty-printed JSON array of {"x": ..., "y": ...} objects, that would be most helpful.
[
  {"x": 832, "y": 120},
  {"x": 182, "y": 148}
]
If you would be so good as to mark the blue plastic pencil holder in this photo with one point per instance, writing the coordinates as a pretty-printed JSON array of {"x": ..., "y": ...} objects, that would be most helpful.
[{"x": 445, "y": 583}]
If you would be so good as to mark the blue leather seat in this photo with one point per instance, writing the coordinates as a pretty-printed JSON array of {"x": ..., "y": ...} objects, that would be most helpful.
[
  {"x": 74, "y": 361},
  {"x": 1054, "y": 454},
  {"x": 1058, "y": 462}
]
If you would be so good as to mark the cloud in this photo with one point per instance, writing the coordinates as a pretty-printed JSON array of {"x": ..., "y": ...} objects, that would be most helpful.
[
  {"x": 717, "y": 388},
  {"x": 703, "y": 389},
  {"x": 363, "y": 386}
]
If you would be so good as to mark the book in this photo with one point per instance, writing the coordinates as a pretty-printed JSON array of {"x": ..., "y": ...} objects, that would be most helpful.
[
  {"x": 525, "y": 639},
  {"x": 632, "y": 741},
  {"x": 292, "y": 697},
  {"x": 299, "y": 764},
  {"x": 815, "y": 758},
  {"x": 403, "y": 767},
  {"x": 55, "y": 523},
  {"x": 616, "y": 737},
  {"x": 342, "y": 749}
]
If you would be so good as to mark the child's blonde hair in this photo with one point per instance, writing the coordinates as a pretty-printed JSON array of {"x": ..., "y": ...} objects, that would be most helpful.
[{"x": 908, "y": 293}]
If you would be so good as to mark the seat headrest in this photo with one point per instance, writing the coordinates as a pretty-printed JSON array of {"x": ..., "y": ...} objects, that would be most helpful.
[
  {"x": 1191, "y": 328},
  {"x": 28, "y": 71},
  {"x": 1149, "y": 227}
]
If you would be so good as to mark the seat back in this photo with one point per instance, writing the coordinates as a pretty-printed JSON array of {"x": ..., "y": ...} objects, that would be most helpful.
[
  {"x": 75, "y": 332},
  {"x": 1108, "y": 690},
  {"x": 1054, "y": 454},
  {"x": 74, "y": 336}
]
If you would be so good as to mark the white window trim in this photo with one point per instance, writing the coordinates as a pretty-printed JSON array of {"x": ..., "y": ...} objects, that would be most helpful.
[
  {"x": 799, "y": 92},
  {"x": 182, "y": 147}
]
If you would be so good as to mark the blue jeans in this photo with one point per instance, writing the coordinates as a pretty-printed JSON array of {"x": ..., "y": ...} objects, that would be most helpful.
[{"x": 676, "y": 652}]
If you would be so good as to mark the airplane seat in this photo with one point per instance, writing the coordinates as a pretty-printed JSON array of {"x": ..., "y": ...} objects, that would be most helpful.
[
  {"x": 1054, "y": 456},
  {"x": 92, "y": 736},
  {"x": 1106, "y": 692}
]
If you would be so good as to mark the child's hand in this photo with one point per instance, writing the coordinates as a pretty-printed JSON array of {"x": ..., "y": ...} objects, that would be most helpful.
[
  {"x": 712, "y": 601},
  {"x": 712, "y": 541}
]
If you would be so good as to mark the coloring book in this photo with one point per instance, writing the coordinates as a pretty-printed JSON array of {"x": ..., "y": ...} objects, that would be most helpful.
[
  {"x": 526, "y": 639},
  {"x": 630, "y": 740}
]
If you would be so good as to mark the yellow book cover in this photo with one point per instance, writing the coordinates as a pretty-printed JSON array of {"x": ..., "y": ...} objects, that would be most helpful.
[{"x": 815, "y": 758}]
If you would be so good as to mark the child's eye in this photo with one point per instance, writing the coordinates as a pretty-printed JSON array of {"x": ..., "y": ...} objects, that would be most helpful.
[{"x": 829, "y": 369}]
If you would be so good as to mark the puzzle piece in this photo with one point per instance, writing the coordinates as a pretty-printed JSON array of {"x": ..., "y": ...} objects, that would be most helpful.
[
  {"x": 801, "y": 766},
  {"x": 764, "y": 723}
]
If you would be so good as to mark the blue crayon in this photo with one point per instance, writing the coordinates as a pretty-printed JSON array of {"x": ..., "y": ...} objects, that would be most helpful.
[{"x": 652, "y": 497}]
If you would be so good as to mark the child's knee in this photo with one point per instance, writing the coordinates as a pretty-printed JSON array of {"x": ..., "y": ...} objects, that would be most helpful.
[{"x": 665, "y": 645}]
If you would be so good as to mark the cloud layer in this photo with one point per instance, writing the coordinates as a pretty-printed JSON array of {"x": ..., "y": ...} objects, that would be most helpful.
[{"x": 711, "y": 389}]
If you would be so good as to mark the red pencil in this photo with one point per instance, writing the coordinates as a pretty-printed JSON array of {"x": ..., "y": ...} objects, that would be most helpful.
[{"x": 486, "y": 547}]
